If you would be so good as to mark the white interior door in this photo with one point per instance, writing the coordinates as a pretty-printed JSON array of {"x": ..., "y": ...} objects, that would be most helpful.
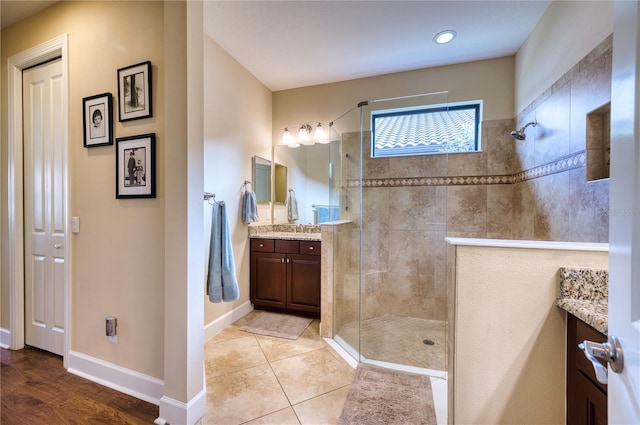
[
  {"x": 624, "y": 237},
  {"x": 44, "y": 206}
]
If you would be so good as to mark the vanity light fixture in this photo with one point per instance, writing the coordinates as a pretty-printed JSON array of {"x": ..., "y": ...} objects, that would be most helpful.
[
  {"x": 304, "y": 135},
  {"x": 445, "y": 36}
]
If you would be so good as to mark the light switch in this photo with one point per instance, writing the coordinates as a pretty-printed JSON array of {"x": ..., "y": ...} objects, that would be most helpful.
[{"x": 75, "y": 225}]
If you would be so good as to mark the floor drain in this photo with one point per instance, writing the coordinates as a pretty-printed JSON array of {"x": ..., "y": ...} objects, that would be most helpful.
[{"x": 428, "y": 342}]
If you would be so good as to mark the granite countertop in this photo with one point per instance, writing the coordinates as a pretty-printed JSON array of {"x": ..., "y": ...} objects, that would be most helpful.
[
  {"x": 584, "y": 293},
  {"x": 287, "y": 236},
  {"x": 299, "y": 232}
]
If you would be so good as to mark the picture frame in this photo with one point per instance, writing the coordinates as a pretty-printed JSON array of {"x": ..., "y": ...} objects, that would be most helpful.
[
  {"x": 97, "y": 120},
  {"x": 135, "y": 97},
  {"x": 135, "y": 166}
]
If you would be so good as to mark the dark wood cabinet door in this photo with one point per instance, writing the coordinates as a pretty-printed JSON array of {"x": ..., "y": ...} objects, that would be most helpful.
[
  {"x": 590, "y": 403},
  {"x": 586, "y": 397},
  {"x": 268, "y": 279},
  {"x": 303, "y": 283}
]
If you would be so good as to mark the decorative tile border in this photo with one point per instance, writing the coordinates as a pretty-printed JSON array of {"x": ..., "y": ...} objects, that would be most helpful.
[{"x": 567, "y": 163}]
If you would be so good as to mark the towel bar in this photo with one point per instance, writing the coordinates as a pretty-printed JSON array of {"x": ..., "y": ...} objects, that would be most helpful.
[{"x": 209, "y": 196}]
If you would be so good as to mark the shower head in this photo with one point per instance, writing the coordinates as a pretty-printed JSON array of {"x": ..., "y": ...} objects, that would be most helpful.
[{"x": 519, "y": 134}]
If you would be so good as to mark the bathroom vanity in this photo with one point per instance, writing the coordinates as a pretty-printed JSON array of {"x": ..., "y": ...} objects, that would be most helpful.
[
  {"x": 285, "y": 272},
  {"x": 584, "y": 295}
]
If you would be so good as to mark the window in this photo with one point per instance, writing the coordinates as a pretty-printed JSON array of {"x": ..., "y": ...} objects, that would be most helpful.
[{"x": 426, "y": 130}]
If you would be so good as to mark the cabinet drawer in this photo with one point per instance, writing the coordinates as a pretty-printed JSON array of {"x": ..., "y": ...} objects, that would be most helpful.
[
  {"x": 586, "y": 332},
  {"x": 287, "y": 247},
  {"x": 310, "y": 247},
  {"x": 262, "y": 245}
]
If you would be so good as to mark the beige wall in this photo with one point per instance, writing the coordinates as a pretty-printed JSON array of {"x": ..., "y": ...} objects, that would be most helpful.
[
  {"x": 565, "y": 34},
  {"x": 237, "y": 127},
  {"x": 117, "y": 256},
  {"x": 491, "y": 80},
  {"x": 509, "y": 335}
]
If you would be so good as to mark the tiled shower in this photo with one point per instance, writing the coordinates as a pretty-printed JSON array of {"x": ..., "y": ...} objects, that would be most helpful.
[{"x": 389, "y": 294}]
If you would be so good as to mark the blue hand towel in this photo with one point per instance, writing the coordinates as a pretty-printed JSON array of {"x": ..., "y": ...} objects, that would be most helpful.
[
  {"x": 249, "y": 207},
  {"x": 292, "y": 206},
  {"x": 222, "y": 283}
]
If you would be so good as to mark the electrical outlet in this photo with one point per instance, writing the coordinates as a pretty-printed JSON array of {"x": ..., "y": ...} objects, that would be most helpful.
[{"x": 111, "y": 324}]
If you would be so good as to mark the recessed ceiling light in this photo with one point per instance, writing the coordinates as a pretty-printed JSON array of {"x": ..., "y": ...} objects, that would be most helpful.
[{"x": 444, "y": 36}]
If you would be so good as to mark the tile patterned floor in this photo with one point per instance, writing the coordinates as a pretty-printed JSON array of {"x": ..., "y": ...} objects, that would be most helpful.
[{"x": 255, "y": 379}]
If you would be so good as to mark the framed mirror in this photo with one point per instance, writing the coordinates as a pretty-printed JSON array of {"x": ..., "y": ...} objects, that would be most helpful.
[
  {"x": 262, "y": 179},
  {"x": 307, "y": 173}
]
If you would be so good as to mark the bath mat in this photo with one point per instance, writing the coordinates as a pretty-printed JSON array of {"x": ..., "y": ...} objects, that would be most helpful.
[
  {"x": 384, "y": 396},
  {"x": 278, "y": 325}
]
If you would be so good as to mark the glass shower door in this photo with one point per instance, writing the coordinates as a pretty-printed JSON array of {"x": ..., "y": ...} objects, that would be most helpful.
[
  {"x": 403, "y": 250},
  {"x": 389, "y": 297}
]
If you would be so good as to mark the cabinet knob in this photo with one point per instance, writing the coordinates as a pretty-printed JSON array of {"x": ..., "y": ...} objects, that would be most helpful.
[
  {"x": 310, "y": 248},
  {"x": 261, "y": 245},
  {"x": 282, "y": 259}
]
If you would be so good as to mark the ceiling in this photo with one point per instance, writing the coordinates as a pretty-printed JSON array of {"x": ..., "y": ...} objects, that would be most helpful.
[
  {"x": 290, "y": 44},
  {"x": 14, "y": 11}
]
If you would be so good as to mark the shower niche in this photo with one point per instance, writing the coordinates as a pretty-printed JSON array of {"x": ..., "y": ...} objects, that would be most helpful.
[{"x": 599, "y": 143}]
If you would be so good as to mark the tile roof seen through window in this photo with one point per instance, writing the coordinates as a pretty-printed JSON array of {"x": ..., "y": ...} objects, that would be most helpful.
[{"x": 426, "y": 131}]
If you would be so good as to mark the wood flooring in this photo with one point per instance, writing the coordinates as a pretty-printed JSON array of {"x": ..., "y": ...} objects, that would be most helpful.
[{"x": 36, "y": 389}]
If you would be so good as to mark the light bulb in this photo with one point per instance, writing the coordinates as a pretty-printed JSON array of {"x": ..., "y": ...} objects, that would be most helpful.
[
  {"x": 303, "y": 134},
  {"x": 319, "y": 134},
  {"x": 287, "y": 138}
]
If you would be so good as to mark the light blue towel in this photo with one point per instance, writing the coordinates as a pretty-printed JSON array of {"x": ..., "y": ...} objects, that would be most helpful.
[
  {"x": 250, "y": 207},
  {"x": 222, "y": 284},
  {"x": 292, "y": 206}
]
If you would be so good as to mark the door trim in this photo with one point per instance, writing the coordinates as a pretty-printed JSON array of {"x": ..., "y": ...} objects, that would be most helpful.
[{"x": 57, "y": 47}]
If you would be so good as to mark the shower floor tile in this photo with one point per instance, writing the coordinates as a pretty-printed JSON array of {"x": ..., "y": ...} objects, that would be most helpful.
[{"x": 400, "y": 340}]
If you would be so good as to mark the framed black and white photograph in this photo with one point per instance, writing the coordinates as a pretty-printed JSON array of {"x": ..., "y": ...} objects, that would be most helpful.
[
  {"x": 134, "y": 92},
  {"x": 98, "y": 124},
  {"x": 135, "y": 166}
]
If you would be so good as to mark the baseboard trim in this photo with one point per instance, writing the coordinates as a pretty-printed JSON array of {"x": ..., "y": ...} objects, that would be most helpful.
[
  {"x": 218, "y": 325},
  {"x": 5, "y": 338},
  {"x": 121, "y": 379},
  {"x": 145, "y": 387},
  {"x": 177, "y": 412}
]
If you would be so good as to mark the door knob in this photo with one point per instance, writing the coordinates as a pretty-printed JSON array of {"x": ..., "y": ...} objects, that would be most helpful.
[
  {"x": 57, "y": 246},
  {"x": 611, "y": 351}
]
